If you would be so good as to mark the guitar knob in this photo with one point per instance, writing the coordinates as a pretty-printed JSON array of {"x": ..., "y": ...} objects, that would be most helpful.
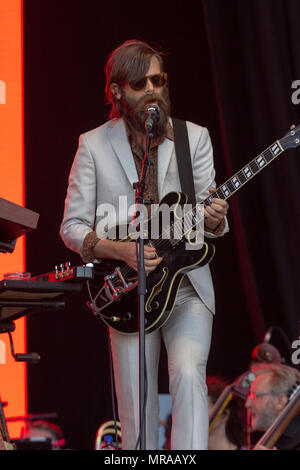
[{"x": 155, "y": 305}]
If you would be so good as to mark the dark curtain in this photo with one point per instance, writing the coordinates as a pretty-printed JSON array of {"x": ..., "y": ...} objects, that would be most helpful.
[{"x": 255, "y": 56}]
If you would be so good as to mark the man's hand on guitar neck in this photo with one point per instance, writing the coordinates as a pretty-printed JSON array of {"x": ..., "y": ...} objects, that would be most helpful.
[
  {"x": 126, "y": 251},
  {"x": 215, "y": 214}
]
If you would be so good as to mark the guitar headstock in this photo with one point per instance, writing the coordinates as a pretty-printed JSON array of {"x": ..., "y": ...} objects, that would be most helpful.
[{"x": 292, "y": 138}]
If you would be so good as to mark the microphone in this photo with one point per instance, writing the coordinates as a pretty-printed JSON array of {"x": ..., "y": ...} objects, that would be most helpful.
[{"x": 152, "y": 115}]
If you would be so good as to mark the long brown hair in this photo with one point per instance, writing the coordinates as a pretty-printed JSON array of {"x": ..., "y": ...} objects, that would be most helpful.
[{"x": 127, "y": 63}]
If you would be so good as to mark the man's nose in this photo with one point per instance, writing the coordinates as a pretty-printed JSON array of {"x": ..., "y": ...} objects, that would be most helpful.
[
  {"x": 247, "y": 402},
  {"x": 149, "y": 86}
]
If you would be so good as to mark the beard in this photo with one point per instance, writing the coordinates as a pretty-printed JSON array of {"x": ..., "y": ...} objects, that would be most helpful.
[
  {"x": 134, "y": 111},
  {"x": 262, "y": 421}
]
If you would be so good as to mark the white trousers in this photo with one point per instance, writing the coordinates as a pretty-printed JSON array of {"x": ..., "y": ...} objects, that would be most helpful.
[{"x": 187, "y": 337}]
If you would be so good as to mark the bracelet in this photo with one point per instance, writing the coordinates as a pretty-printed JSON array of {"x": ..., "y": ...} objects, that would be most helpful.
[{"x": 89, "y": 244}]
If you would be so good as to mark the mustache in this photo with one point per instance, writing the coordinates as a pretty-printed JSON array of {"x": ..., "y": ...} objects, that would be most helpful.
[
  {"x": 163, "y": 106},
  {"x": 151, "y": 98},
  {"x": 135, "y": 110},
  {"x": 140, "y": 107}
]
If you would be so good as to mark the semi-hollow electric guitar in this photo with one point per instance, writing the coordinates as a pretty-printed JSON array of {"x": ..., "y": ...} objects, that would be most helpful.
[{"x": 114, "y": 287}]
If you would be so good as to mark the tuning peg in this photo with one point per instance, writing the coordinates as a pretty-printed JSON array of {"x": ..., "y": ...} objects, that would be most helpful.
[
  {"x": 61, "y": 267},
  {"x": 292, "y": 127},
  {"x": 68, "y": 265}
]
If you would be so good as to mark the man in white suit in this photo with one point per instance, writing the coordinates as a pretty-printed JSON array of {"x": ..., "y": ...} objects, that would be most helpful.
[{"x": 107, "y": 163}]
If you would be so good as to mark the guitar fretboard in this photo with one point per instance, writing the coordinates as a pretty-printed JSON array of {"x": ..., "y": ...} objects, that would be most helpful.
[
  {"x": 246, "y": 173},
  {"x": 194, "y": 216}
]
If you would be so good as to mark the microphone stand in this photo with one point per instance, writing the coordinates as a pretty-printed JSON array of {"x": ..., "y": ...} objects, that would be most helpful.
[{"x": 140, "y": 187}]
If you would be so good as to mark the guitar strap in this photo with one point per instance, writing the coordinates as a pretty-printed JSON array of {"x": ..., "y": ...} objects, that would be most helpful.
[{"x": 184, "y": 163}]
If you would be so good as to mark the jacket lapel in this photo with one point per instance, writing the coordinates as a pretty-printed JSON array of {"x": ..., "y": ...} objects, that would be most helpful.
[
  {"x": 120, "y": 144},
  {"x": 165, "y": 151}
]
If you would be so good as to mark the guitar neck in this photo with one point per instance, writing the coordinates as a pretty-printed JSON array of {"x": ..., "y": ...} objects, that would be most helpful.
[
  {"x": 237, "y": 181},
  {"x": 244, "y": 175},
  {"x": 194, "y": 217}
]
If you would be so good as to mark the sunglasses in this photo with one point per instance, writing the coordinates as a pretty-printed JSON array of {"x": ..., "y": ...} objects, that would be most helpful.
[
  {"x": 253, "y": 396},
  {"x": 158, "y": 80}
]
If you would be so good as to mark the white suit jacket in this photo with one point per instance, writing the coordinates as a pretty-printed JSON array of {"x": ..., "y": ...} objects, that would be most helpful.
[{"x": 104, "y": 168}]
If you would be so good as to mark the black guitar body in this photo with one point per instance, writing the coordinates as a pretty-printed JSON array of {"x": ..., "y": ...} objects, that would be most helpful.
[{"x": 162, "y": 284}]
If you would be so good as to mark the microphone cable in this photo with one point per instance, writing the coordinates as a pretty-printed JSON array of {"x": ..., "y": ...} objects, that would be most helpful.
[
  {"x": 138, "y": 442},
  {"x": 112, "y": 388},
  {"x": 111, "y": 372},
  {"x": 144, "y": 408}
]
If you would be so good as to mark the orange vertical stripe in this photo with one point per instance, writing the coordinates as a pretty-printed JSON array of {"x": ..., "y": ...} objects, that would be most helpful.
[{"x": 12, "y": 374}]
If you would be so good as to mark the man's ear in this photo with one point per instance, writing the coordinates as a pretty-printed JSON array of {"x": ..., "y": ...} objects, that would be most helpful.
[
  {"x": 115, "y": 90},
  {"x": 281, "y": 401}
]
